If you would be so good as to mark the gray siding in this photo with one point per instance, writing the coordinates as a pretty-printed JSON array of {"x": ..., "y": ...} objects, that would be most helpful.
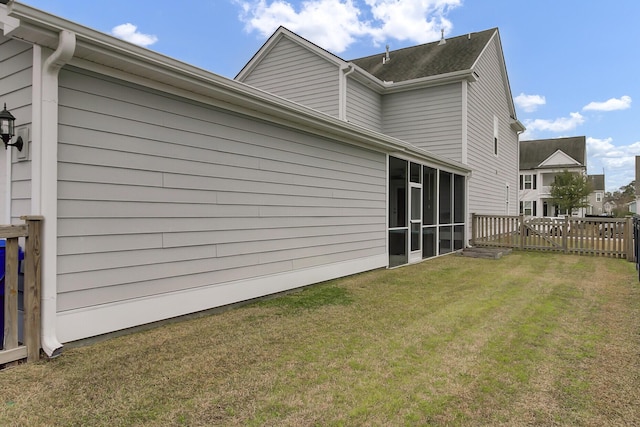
[
  {"x": 158, "y": 194},
  {"x": 364, "y": 106},
  {"x": 488, "y": 97},
  {"x": 429, "y": 118},
  {"x": 295, "y": 73},
  {"x": 16, "y": 61}
]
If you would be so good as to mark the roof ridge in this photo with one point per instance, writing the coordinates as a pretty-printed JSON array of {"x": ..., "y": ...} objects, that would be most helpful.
[{"x": 424, "y": 44}]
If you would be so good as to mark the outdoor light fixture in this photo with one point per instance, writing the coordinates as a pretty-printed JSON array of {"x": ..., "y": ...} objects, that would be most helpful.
[{"x": 7, "y": 130}]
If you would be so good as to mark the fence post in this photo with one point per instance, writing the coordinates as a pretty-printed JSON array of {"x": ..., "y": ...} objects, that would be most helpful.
[
  {"x": 565, "y": 239},
  {"x": 628, "y": 239},
  {"x": 32, "y": 286},
  {"x": 523, "y": 230},
  {"x": 473, "y": 229}
]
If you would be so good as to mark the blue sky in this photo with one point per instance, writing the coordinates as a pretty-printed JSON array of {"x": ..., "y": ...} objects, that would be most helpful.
[{"x": 572, "y": 64}]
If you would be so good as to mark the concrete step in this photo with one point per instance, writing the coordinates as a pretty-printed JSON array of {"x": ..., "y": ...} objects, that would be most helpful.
[{"x": 488, "y": 253}]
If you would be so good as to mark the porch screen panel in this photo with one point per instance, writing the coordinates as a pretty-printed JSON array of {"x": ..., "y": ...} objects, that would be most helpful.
[
  {"x": 445, "y": 197},
  {"x": 398, "y": 215},
  {"x": 458, "y": 198}
]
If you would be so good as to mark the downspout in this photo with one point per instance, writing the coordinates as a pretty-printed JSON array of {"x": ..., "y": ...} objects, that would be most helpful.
[
  {"x": 8, "y": 195},
  {"x": 342, "y": 108},
  {"x": 45, "y": 186}
]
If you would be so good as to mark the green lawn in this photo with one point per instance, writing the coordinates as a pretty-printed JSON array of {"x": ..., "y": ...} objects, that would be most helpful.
[{"x": 530, "y": 339}]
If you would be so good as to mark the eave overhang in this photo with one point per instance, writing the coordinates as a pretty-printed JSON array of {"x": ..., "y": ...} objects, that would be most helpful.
[
  {"x": 517, "y": 126},
  {"x": 144, "y": 66}
]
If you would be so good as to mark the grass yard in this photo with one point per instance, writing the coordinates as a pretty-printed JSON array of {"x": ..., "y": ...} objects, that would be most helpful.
[{"x": 530, "y": 339}]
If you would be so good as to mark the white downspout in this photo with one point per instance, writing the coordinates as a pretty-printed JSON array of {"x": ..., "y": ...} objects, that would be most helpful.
[
  {"x": 8, "y": 187},
  {"x": 45, "y": 179},
  {"x": 342, "y": 97}
]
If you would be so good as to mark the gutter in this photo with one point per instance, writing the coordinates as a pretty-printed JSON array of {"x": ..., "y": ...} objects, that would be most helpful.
[
  {"x": 391, "y": 87},
  {"x": 148, "y": 68}
]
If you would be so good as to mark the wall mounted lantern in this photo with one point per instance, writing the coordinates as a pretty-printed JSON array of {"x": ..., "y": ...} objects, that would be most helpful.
[{"x": 7, "y": 130}]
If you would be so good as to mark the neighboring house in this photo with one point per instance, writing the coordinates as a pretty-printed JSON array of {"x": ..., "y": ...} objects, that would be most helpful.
[
  {"x": 596, "y": 198},
  {"x": 540, "y": 161},
  {"x": 451, "y": 98},
  {"x": 609, "y": 207},
  {"x": 168, "y": 190}
]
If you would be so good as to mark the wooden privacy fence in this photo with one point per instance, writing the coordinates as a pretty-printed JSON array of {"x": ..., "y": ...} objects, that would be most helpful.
[
  {"x": 612, "y": 237},
  {"x": 12, "y": 348}
]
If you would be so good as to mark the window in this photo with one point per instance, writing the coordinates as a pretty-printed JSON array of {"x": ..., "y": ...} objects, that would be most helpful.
[
  {"x": 598, "y": 197},
  {"x": 495, "y": 135},
  {"x": 527, "y": 182},
  {"x": 528, "y": 208}
]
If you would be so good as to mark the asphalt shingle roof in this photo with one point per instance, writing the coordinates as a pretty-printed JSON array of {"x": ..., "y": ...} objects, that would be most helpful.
[
  {"x": 534, "y": 152},
  {"x": 597, "y": 181},
  {"x": 430, "y": 59}
]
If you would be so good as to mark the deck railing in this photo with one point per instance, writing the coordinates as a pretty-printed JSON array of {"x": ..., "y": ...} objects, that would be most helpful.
[
  {"x": 29, "y": 348},
  {"x": 612, "y": 237}
]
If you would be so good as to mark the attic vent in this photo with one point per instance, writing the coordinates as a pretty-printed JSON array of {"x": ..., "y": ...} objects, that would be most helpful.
[
  {"x": 442, "y": 40},
  {"x": 386, "y": 58}
]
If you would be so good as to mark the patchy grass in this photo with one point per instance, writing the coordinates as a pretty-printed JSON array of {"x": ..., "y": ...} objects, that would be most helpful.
[{"x": 530, "y": 339}]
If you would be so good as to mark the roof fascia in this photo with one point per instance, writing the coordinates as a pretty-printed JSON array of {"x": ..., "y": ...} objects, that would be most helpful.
[
  {"x": 505, "y": 76},
  {"x": 437, "y": 80},
  {"x": 279, "y": 34},
  {"x": 155, "y": 70},
  {"x": 383, "y": 87}
]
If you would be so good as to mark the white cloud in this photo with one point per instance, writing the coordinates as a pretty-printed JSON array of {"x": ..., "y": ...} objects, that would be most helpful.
[
  {"x": 336, "y": 24},
  {"x": 529, "y": 103},
  {"x": 129, "y": 32},
  {"x": 612, "y": 104},
  {"x": 617, "y": 161},
  {"x": 332, "y": 24},
  {"x": 562, "y": 124},
  {"x": 418, "y": 21}
]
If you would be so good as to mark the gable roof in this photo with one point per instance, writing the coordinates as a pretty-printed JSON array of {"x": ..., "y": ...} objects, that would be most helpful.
[
  {"x": 412, "y": 67},
  {"x": 280, "y": 33},
  {"x": 136, "y": 64},
  {"x": 427, "y": 60},
  {"x": 535, "y": 152}
]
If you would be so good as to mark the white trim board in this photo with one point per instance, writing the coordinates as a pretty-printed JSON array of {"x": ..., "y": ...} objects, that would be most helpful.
[{"x": 97, "y": 320}]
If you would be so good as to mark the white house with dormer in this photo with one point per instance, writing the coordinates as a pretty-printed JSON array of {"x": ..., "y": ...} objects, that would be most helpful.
[{"x": 540, "y": 161}]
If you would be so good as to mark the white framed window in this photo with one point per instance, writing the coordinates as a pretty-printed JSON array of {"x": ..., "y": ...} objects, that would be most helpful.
[
  {"x": 598, "y": 197},
  {"x": 496, "y": 128},
  {"x": 528, "y": 182},
  {"x": 528, "y": 208}
]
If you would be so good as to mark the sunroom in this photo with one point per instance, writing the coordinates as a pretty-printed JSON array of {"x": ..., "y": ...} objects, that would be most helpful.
[{"x": 426, "y": 211}]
